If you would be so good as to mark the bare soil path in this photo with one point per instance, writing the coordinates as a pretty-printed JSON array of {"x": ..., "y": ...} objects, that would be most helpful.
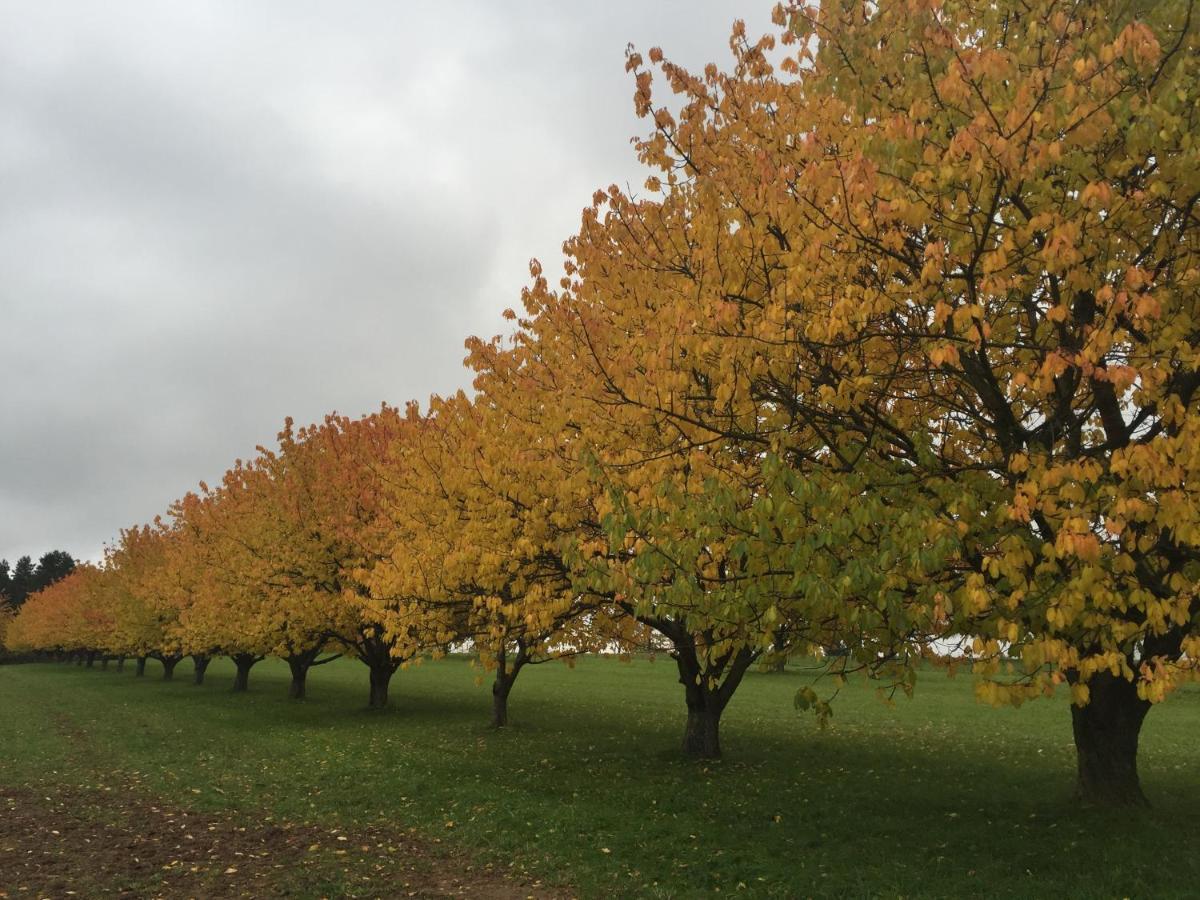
[{"x": 61, "y": 842}]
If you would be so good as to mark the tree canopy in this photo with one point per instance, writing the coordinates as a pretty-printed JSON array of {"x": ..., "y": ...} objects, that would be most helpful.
[{"x": 898, "y": 348}]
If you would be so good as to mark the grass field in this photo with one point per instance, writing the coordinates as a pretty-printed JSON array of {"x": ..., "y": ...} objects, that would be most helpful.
[{"x": 585, "y": 793}]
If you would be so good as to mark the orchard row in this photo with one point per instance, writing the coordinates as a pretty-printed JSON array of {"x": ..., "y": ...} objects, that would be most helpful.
[{"x": 899, "y": 348}]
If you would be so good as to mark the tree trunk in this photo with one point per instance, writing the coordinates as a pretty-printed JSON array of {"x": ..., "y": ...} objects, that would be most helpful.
[
  {"x": 1106, "y": 742},
  {"x": 381, "y": 677},
  {"x": 375, "y": 652},
  {"x": 200, "y": 663},
  {"x": 299, "y": 665},
  {"x": 244, "y": 662},
  {"x": 503, "y": 683},
  {"x": 120, "y": 663},
  {"x": 702, "y": 734},
  {"x": 169, "y": 663},
  {"x": 104, "y": 661},
  {"x": 140, "y": 671},
  {"x": 707, "y": 691},
  {"x": 91, "y": 658},
  {"x": 501, "y": 688}
]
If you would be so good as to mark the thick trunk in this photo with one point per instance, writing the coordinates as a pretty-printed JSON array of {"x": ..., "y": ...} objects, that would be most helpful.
[
  {"x": 299, "y": 666},
  {"x": 244, "y": 662},
  {"x": 120, "y": 664},
  {"x": 104, "y": 662},
  {"x": 375, "y": 652},
  {"x": 501, "y": 688},
  {"x": 702, "y": 734},
  {"x": 1106, "y": 742},
  {"x": 140, "y": 671},
  {"x": 708, "y": 690},
  {"x": 169, "y": 663},
  {"x": 300, "y": 663},
  {"x": 91, "y": 658},
  {"x": 200, "y": 666},
  {"x": 381, "y": 677}
]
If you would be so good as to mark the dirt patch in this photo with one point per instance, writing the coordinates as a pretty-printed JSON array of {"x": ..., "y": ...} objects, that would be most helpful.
[{"x": 60, "y": 842}]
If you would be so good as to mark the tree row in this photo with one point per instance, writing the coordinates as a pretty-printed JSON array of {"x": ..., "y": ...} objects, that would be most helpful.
[{"x": 898, "y": 349}]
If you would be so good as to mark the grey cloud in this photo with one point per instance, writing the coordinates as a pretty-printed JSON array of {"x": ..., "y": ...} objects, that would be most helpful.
[{"x": 216, "y": 215}]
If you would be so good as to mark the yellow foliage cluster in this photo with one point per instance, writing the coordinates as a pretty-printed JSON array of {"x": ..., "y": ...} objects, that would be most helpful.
[{"x": 901, "y": 347}]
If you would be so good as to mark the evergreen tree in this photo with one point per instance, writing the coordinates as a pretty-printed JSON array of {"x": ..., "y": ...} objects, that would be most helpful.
[
  {"x": 51, "y": 567},
  {"x": 23, "y": 583}
]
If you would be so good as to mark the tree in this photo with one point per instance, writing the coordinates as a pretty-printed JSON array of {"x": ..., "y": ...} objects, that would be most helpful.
[
  {"x": 140, "y": 616},
  {"x": 221, "y": 611},
  {"x": 335, "y": 473},
  {"x": 648, "y": 519},
  {"x": 258, "y": 603},
  {"x": 22, "y": 583},
  {"x": 946, "y": 264},
  {"x": 28, "y": 578},
  {"x": 6, "y": 616},
  {"x": 72, "y": 615},
  {"x": 52, "y": 566},
  {"x": 479, "y": 529}
]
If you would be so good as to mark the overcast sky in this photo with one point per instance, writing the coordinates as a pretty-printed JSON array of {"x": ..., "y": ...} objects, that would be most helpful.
[{"x": 215, "y": 215}]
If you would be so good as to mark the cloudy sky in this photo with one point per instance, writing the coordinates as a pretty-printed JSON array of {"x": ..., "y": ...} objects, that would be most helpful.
[{"x": 215, "y": 215}]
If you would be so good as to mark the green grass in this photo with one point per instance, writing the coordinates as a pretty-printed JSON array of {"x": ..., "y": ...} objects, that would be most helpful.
[{"x": 937, "y": 796}]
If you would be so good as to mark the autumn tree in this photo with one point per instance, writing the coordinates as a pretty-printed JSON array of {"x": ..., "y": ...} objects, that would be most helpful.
[
  {"x": 651, "y": 517},
  {"x": 73, "y": 615},
  {"x": 249, "y": 532},
  {"x": 223, "y": 608},
  {"x": 335, "y": 473},
  {"x": 140, "y": 617},
  {"x": 6, "y": 616},
  {"x": 941, "y": 260},
  {"x": 482, "y": 507}
]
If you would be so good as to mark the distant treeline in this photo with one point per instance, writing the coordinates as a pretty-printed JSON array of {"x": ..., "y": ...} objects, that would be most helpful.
[{"x": 25, "y": 578}]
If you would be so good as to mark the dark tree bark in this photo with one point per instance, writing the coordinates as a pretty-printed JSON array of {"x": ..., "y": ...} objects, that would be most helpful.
[
  {"x": 91, "y": 658},
  {"x": 298, "y": 689},
  {"x": 169, "y": 663},
  {"x": 120, "y": 663},
  {"x": 140, "y": 671},
  {"x": 506, "y": 673},
  {"x": 244, "y": 662},
  {"x": 1106, "y": 742},
  {"x": 376, "y": 654},
  {"x": 708, "y": 685},
  {"x": 500, "y": 691},
  {"x": 300, "y": 663},
  {"x": 104, "y": 661},
  {"x": 381, "y": 677},
  {"x": 200, "y": 665},
  {"x": 707, "y": 690},
  {"x": 702, "y": 733}
]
